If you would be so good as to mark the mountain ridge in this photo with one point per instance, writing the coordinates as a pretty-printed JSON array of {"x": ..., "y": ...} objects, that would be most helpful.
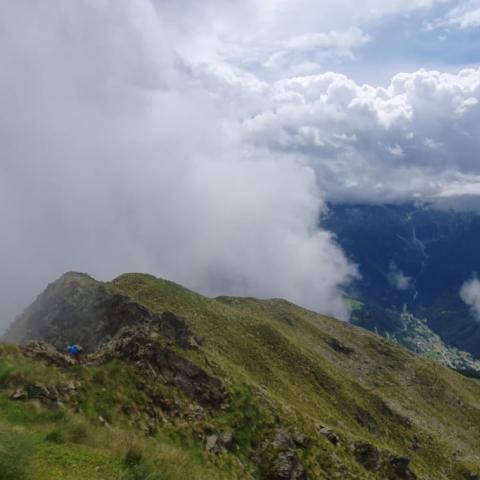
[{"x": 304, "y": 395}]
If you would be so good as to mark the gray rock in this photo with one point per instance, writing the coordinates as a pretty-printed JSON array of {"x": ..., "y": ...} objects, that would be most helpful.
[
  {"x": 211, "y": 443},
  {"x": 282, "y": 439},
  {"x": 368, "y": 455},
  {"x": 176, "y": 328},
  {"x": 286, "y": 466},
  {"x": 227, "y": 440},
  {"x": 136, "y": 345},
  {"x": 19, "y": 394},
  {"x": 41, "y": 392},
  {"x": 400, "y": 468},
  {"x": 393, "y": 466},
  {"x": 70, "y": 387},
  {"x": 301, "y": 440},
  {"x": 219, "y": 442},
  {"x": 330, "y": 435},
  {"x": 46, "y": 353}
]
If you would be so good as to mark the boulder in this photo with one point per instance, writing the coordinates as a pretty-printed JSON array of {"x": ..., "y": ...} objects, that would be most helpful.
[
  {"x": 368, "y": 455},
  {"x": 219, "y": 442},
  {"x": 42, "y": 392},
  {"x": 19, "y": 394},
  {"x": 286, "y": 466},
  {"x": 330, "y": 435},
  {"x": 400, "y": 468},
  {"x": 393, "y": 467}
]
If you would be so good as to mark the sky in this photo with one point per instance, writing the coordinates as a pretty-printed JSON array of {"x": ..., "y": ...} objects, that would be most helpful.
[{"x": 202, "y": 141}]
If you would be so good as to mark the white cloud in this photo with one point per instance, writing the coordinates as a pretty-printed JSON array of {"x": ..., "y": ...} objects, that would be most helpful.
[
  {"x": 306, "y": 53},
  {"x": 417, "y": 137},
  {"x": 115, "y": 156},
  {"x": 275, "y": 38},
  {"x": 154, "y": 136},
  {"x": 397, "y": 278},
  {"x": 465, "y": 15},
  {"x": 457, "y": 189},
  {"x": 470, "y": 294}
]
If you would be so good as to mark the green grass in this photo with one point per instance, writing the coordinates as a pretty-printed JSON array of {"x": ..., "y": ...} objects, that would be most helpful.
[
  {"x": 15, "y": 449},
  {"x": 278, "y": 363},
  {"x": 283, "y": 351}
]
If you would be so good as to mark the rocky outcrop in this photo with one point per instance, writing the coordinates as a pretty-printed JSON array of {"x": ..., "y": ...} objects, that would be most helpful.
[
  {"x": 368, "y": 455},
  {"x": 279, "y": 453},
  {"x": 154, "y": 358},
  {"x": 76, "y": 309},
  {"x": 42, "y": 392},
  {"x": 286, "y": 466},
  {"x": 45, "y": 353},
  {"x": 46, "y": 393},
  {"x": 176, "y": 329},
  {"x": 393, "y": 467},
  {"x": 340, "y": 347},
  {"x": 219, "y": 442}
]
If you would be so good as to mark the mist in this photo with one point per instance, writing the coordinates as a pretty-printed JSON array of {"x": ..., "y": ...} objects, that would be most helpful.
[
  {"x": 114, "y": 159},
  {"x": 200, "y": 142}
]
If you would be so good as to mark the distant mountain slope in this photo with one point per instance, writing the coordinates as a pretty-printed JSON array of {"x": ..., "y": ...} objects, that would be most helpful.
[
  {"x": 414, "y": 256},
  {"x": 227, "y": 388},
  {"x": 413, "y": 333}
]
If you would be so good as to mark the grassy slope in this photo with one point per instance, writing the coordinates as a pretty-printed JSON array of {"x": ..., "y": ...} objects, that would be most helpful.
[
  {"x": 277, "y": 359},
  {"x": 282, "y": 350},
  {"x": 38, "y": 442}
]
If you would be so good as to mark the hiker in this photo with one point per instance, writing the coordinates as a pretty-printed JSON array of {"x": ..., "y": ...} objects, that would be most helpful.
[{"x": 75, "y": 351}]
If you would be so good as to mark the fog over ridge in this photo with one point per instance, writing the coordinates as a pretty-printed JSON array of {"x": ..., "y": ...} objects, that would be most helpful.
[
  {"x": 106, "y": 174},
  {"x": 138, "y": 136}
]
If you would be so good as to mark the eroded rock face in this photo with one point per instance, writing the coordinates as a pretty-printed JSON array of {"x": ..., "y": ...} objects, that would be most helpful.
[
  {"x": 219, "y": 442},
  {"x": 368, "y": 455},
  {"x": 175, "y": 328},
  {"x": 280, "y": 453},
  {"x": 392, "y": 466},
  {"x": 286, "y": 466},
  {"x": 42, "y": 392},
  {"x": 46, "y": 353},
  {"x": 136, "y": 345},
  {"x": 400, "y": 468},
  {"x": 76, "y": 309}
]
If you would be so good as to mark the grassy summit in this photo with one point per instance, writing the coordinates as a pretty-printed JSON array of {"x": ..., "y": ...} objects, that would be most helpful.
[{"x": 241, "y": 388}]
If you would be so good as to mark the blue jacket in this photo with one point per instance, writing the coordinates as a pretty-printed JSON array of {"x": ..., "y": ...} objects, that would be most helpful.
[{"x": 73, "y": 350}]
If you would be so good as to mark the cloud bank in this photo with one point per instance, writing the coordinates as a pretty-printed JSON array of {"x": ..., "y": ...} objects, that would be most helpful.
[
  {"x": 114, "y": 159},
  {"x": 200, "y": 141},
  {"x": 417, "y": 138}
]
